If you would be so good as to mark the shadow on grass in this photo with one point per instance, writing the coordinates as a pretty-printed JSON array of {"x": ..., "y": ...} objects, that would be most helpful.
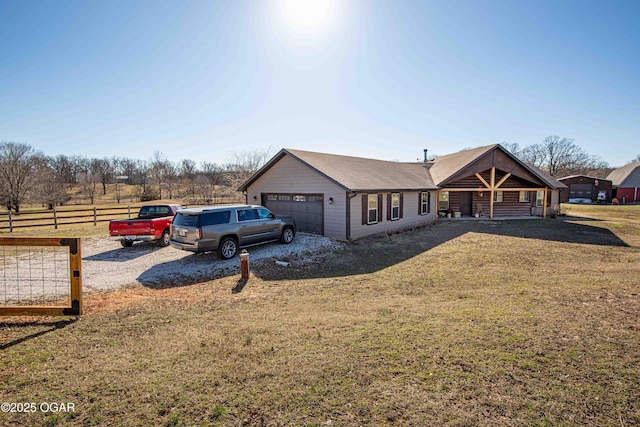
[
  {"x": 239, "y": 286},
  {"x": 51, "y": 326},
  {"x": 378, "y": 252},
  {"x": 125, "y": 254},
  {"x": 375, "y": 253}
]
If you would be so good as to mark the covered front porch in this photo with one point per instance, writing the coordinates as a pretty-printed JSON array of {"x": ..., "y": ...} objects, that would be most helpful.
[{"x": 492, "y": 194}]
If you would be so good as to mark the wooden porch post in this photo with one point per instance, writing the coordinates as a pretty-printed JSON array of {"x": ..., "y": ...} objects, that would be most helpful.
[
  {"x": 544, "y": 204},
  {"x": 493, "y": 183}
]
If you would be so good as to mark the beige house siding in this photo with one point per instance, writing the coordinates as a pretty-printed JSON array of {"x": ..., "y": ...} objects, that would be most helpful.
[
  {"x": 290, "y": 176},
  {"x": 554, "y": 202},
  {"x": 410, "y": 217}
]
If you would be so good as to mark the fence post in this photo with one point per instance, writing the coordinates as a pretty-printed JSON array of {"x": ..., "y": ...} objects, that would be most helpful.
[
  {"x": 10, "y": 221},
  {"x": 129, "y": 211},
  {"x": 95, "y": 219},
  {"x": 55, "y": 218}
]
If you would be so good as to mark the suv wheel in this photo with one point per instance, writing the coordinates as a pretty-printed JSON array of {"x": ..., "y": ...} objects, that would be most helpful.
[
  {"x": 287, "y": 235},
  {"x": 126, "y": 243},
  {"x": 228, "y": 248}
]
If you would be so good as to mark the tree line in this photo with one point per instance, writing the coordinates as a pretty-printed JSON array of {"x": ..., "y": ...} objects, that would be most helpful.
[
  {"x": 560, "y": 157},
  {"x": 28, "y": 176}
]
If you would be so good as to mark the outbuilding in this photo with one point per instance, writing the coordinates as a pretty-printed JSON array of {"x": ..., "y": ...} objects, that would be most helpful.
[
  {"x": 626, "y": 183},
  {"x": 586, "y": 189}
]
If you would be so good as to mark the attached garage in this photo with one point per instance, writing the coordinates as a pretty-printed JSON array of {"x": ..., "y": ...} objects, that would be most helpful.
[{"x": 305, "y": 208}]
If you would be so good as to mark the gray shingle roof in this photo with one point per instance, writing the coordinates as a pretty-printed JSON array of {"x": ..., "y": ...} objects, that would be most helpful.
[
  {"x": 626, "y": 176},
  {"x": 444, "y": 167},
  {"x": 360, "y": 174}
]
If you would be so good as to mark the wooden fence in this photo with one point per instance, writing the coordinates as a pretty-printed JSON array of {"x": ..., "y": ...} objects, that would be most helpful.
[
  {"x": 65, "y": 216},
  {"x": 40, "y": 270},
  {"x": 69, "y": 215}
]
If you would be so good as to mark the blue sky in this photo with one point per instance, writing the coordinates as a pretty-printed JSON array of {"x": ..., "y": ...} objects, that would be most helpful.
[{"x": 202, "y": 80}]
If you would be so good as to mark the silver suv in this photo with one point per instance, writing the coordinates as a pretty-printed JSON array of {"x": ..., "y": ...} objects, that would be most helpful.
[{"x": 226, "y": 228}]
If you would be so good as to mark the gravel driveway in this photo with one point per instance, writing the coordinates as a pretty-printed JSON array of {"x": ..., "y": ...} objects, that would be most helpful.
[{"x": 106, "y": 265}]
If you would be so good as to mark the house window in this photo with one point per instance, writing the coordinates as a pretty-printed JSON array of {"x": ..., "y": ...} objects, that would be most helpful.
[
  {"x": 524, "y": 196},
  {"x": 424, "y": 203},
  {"x": 497, "y": 196},
  {"x": 540, "y": 198},
  {"x": 395, "y": 206},
  {"x": 443, "y": 201},
  {"x": 372, "y": 208}
]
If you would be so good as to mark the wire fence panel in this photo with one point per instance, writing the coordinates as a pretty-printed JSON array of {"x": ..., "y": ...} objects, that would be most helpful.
[{"x": 40, "y": 276}]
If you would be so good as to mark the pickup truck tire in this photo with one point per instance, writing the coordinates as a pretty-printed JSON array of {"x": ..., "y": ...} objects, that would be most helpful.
[
  {"x": 126, "y": 243},
  {"x": 287, "y": 235},
  {"x": 228, "y": 248},
  {"x": 165, "y": 239}
]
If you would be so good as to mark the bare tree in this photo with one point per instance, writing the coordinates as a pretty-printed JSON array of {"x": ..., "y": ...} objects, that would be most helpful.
[
  {"x": 18, "y": 163},
  {"x": 243, "y": 165},
  {"x": 157, "y": 164},
  {"x": 142, "y": 179},
  {"x": 104, "y": 171},
  {"x": 89, "y": 183},
  {"x": 170, "y": 177},
  {"x": 187, "y": 174},
  {"x": 513, "y": 148},
  {"x": 210, "y": 175},
  {"x": 64, "y": 168},
  {"x": 50, "y": 186},
  {"x": 560, "y": 157}
]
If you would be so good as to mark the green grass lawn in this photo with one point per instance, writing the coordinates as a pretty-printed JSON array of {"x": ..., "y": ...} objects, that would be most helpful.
[{"x": 473, "y": 323}]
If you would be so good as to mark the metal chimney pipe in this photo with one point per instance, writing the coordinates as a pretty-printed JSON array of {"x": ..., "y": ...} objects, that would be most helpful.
[{"x": 425, "y": 155}]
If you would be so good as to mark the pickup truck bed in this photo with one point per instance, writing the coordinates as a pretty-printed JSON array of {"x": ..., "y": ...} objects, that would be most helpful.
[{"x": 152, "y": 224}]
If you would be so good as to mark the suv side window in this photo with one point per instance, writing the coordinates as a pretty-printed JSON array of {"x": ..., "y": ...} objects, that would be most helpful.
[
  {"x": 247, "y": 214},
  {"x": 214, "y": 218},
  {"x": 265, "y": 214}
]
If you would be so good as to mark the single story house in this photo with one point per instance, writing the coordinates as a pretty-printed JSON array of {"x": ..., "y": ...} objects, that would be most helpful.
[
  {"x": 626, "y": 183},
  {"x": 351, "y": 197},
  {"x": 585, "y": 189}
]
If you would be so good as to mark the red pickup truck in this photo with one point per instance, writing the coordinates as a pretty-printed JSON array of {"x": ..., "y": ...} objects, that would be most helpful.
[{"x": 153, "y": 224}]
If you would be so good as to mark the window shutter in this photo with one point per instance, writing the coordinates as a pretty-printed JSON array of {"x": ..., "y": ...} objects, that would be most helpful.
[
  {"x": 389, "y": 207},
  {"x": 380, "y": 207},
  {"x": 429, "y": 202},
  {"x": 365, "y": 213},
  {"x": 419, "y": 203},
  {"x": 401, "y": 204}
]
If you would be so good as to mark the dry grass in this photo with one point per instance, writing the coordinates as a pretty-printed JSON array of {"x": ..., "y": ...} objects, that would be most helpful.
[{"x": 462, "y": 323}]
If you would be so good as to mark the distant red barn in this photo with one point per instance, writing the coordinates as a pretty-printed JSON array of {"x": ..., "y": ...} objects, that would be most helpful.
[
  {"x": 626, "y": 183},
  {"x": 585, "y": 189}
]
